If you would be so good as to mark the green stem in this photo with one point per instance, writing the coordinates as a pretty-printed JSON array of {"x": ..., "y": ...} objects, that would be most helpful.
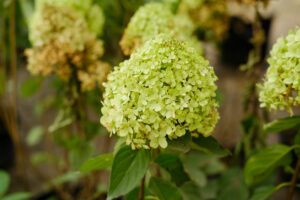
[
  {"x": 294, "y": 181},
  {"x": 142, "y": 186},
  {"x": 14, "y": 129}
]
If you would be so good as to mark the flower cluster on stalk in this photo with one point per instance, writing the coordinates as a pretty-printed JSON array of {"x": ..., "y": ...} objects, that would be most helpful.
[
  {"x": 153, "y": 19},
  {"x": 164, "y": 91},
  {"x": 281, "y": 88},
  {"x": 64, "y": 39}
]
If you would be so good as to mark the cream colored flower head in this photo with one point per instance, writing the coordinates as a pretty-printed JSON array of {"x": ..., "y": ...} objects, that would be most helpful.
[
  {"x": 64, "y": 45},
  {"x": 164, "y": 91},
  {"x": 281, "y": 88},
  {"x": 153, "y": 19},
  {"x": 92, "y": 14}
]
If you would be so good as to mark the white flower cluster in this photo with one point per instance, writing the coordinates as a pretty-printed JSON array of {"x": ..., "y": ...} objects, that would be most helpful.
[
  {"x": 165, "y": 90},
  {"x": 92, "y": 14},
  {"x": 282, "y": 83},
  {"x": 153, "y": 19}
]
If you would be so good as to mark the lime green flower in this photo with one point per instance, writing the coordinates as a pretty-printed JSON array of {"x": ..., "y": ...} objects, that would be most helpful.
[
  {"x": 91, "y": 14},
  {"x": 184, "y": 31},
  {"x": 59, "y": 24},
  {"x": 81, "y": 6},
  {"x": 153, "y": 19},
  {"x": 282, "y": 82},
  {"x": 95, "y": 19},
  {"x": 164, "y": 90}
]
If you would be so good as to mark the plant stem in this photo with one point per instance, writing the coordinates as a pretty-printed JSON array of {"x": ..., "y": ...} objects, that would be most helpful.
[
  {"x": 157, "y": 171},
  {"x": 294, "y": 181},
  {"x": 142, "y": 186},
  {"x": 13, "y": 97},
  {"x": 78, "y": 104}
]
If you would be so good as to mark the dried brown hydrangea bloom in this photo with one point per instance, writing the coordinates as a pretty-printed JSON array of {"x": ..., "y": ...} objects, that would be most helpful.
[
  {"x": 95, "y": 73},
  {"x": 65, "y": 46}
]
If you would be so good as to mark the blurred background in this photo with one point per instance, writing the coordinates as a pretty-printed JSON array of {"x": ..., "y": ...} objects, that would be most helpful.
[{"x": 226, "y": 39}]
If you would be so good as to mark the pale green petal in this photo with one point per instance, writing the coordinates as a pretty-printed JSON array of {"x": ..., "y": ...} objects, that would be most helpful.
[{"x": 163, "y": 91}]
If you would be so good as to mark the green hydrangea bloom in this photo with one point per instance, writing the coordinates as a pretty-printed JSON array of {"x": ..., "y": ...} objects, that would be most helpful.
[
  {"x": 282, "y": 83},
  {"x": 185, "y": 29},
  {"x": 153, "y": 19},
  {"x": 164, "y": 90},
  {"x": 95, "y": 19},
  {"x": 82, "y": 6},
  {"x": 92, "y": 14},
  {"x": 65, "y": 46},
  {"x": 59, "y": 24}
]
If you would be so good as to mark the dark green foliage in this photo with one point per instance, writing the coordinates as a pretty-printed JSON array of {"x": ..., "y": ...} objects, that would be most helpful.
[
  {"x": 128, "y": 169},
  {"x": 172, "y": 163},
  {"x": 279, "y": 125},
  {"x": 163, "y": 189}
]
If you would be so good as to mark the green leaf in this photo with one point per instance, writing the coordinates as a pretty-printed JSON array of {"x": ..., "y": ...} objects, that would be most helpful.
[
  {"x": 172, "y": 163},
  {"x": 129, "y": 167},
  {"x": 100, "y": 162},
  {"x": 67, "y": 177},
  {"x": 210, "y": 164},
  {"x": 213, "y": 166},
  {"x": 232, "y": 186},
  {"x": 210, "y": 190},
  {"x": 262, "y": 164},
  {"x": 279, "y": 125},
  {"x": 80, "y": 154},
  {"x": 219, "y": 97},
  {"x": 191, "y": 166},
  {"x": 163, "y": 189},
  {"x": 35, "y": 135},
  {"x": 30, "y": 87},
  {"x": 121, "y": 142},
  {"x": 249, "y": 122},
  {"x": 27, "y": 9},
  {"x": 181, "y": 144},
  {"x": 63, "y": 119},
  {"x": 263, "y": 192},
  {"x": 4, "y": 182},
  {"x": 42, "y": 157},
  {"x": 209, "y": 145},
  {"x": 18, "y": 196},
  {"x": 91, "y": 129},
  {"x": 134, "y": 194},
  {"x": 190, "y": 191},
  {"x": 297, "y": 142},
  {"x": 93, "y": 97}
]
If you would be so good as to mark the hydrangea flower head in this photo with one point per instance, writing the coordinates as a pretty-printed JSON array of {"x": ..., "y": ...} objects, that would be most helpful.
[
  {"x": 281, "y": 88},
  {"x": 92, "y": 14},
  {"x": 184, "y": 31},
  {"x": 153, "y": 19},
  {"x": 82, "y": 6},
  {"x": 95, "y": 19},
  {"x": 165, "y": 90},
  {"x": 64, "y": 45},
  {"x": 58, "y": 24}
]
